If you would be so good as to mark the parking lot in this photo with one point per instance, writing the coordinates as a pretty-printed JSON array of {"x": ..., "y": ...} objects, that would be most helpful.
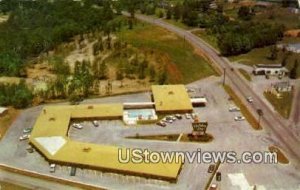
[{"x": 229, "y": 135}]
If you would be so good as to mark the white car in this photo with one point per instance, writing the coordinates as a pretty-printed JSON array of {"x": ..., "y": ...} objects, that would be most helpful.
[
  {"x": 172, "y": 117},
  {"x": 234, "y": 109},
  {"x": 249, "y": 99},
  {"x": 188, "y": 116},
  {"x": 169, "y": 120},
  {"x": 239, "y": 118},
  {"x": 95, "y": 123},
  {"x": 24, "y": 137},
  {"x": 52, "y": 168},
  {"x": 77, "y": 126}
]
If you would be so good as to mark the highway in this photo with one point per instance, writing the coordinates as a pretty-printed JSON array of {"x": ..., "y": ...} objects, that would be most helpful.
[{"x": 272, "y": 122}]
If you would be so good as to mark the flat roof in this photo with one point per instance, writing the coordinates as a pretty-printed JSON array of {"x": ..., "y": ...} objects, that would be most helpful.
[
  {"x": 171, "y": 98},
  {"x": 269, "y": 66},
  {"x": 50, "y": 137}
]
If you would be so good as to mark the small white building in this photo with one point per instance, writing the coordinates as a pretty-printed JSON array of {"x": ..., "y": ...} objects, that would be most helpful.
[
  {"x": 270, "y": 69},
  {"x": 283, "y": 87}
]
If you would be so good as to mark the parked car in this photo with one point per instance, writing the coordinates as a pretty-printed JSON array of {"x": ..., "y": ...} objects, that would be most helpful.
[
  {"x": 211, "y": 168},
  {"x": 52, "y": 168},
  {"x": 190, "y": 90},
  {"x": 239, "y": 118},
  {"x": 169, "y": 120},
  {"x": 234, "y": 109},
  {"x": 188, "y": 116},
  {"x": 29, "y": 149},
  {"x": 218, "y": 176},
  {"x": 77, "y": 126},
  {"x": 178, "y": 116},
  {"x": 213, "y": 186},
  {"x": 250, "y": 99},
  {"x": 95, "y": 123},
  {"x": 24, "y": 137},
  {"x": 173, "y": 117},
  {"x": 27, "y": 130},
  {"x": 162, "y": 124},
  {"x": 194, "y": 115},
  {"x": 164, "y": 120}
]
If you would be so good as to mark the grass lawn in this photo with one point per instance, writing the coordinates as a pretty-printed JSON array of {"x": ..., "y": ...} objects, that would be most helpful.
[
  {"x": 5, "y": 185},
  {"x": 246, "y": 113},
  {"x": 245, "y": 74},
  {"x": 183, "y": 63},
  {"x": 276, "y": 14},
  {"x": 6, "y": 121},
  {"x": 280, "y": 15},
  {"x": 260, "y": 56},
  {"x": 282, "y": 105}
]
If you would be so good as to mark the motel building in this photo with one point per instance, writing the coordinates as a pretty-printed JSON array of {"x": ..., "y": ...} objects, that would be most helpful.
[
  {"x": 270, "y": 69},
  {"x": 50, "y": 132}
]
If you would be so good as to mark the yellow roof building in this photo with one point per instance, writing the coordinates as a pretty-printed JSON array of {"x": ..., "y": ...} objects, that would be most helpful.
[
  {"x": 50, "y": 137},
  {"x": 171, "y": 98}
]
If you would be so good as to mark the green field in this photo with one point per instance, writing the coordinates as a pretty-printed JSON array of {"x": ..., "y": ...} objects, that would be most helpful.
[
  {"x": 181, "y": 61},
  {"x": 282, "y": 105}
]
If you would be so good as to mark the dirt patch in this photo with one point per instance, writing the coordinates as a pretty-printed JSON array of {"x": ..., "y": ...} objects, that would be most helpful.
[
  {"x": 39, "y": 71},
  {"x": 292, "y": 33},
  {"x": 281, "y": 158}
]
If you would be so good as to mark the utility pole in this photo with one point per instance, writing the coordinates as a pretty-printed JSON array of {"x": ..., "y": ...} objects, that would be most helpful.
[{"x": 224, "y": 76}]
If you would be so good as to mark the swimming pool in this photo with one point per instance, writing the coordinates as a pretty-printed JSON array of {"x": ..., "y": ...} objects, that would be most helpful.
[
  {"x": 144, "y": 113},
  {"x": 133, "y": 115}
]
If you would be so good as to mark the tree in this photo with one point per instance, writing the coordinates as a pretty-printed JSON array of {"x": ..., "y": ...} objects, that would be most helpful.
[
  {"x": 293, "y": 73},
  {"x": 169, "y": 13},
  {"x": 74, "y": 99},
  {"x": 130, "y": 24},
  {"x": 273, "y": 53},
  {"x": 162, "y": 77},
  {"x": 16, "y": 95},
  {"x": 161, "y": 14},
  {"x": 120, "y": 76},
  {"x": 285, "y": 59},
  {"x": 10, "y": 64},
  {"x": 177, "y": 11},
  {"x": 245, "y": 13},
  {"x": 152, "y": 73},
  {"x": 102, "y": 71}
]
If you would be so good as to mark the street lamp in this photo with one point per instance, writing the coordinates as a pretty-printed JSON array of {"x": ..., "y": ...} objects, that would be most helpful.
[
  {"x": 260, "y": 114},
  {"x": 224, "y": 76}
]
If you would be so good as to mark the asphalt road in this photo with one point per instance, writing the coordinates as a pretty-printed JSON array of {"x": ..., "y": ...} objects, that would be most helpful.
[{"x": 272, "y": 122}]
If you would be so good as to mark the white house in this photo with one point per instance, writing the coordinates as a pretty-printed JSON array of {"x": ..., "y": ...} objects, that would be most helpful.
[{"x": 270, "y": 69}]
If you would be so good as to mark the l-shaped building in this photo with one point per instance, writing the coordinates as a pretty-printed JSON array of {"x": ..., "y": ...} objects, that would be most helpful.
[{"x": 50, "y": 135}]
